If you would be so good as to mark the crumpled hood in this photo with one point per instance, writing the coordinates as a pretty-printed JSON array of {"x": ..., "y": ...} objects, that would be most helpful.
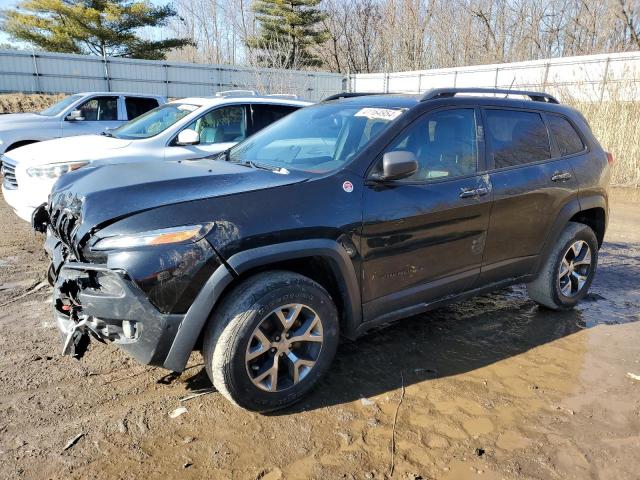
[
  {"x": 99, "y": 195},
  {"x": 67, "y": 149}
]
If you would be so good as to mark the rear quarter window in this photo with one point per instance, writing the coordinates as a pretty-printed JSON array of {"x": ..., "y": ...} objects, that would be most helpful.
[
  {"x": 516, "y": 137},
  {"x": 264, "y": 114},
  {"x": 136, "y": 106},
  {"x": 565, "y": 135}
]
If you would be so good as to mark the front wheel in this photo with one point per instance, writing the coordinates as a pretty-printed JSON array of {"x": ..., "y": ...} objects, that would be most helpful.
[
  {"x": 567, "y": 273},
  {"x": 271, "y": 340}
]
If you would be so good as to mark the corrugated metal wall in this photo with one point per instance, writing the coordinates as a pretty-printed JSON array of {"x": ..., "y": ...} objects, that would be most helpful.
[
  {"x": 23, "y": 71},
  {"x": 591, "y": 77}
]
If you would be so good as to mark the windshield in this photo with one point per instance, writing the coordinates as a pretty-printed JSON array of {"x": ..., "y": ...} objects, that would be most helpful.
[
  {"x": 59, "y": 107},
  {"x": 154, "y": 121},
  {"x": 316, "y": 139}
]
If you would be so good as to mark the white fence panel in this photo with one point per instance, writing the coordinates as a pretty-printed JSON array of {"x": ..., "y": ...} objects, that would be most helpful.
[
  {"x": 589, "y": 77},
  {"x": 42, "y": 72}
]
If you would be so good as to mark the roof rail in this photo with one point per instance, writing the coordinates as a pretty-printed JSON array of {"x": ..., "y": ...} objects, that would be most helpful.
[
  {"x": 451, "y": 92},
  {"x": 237, "y": 93},
  {"x": 292, "y": 96},
  {"x": 337, "y": 96}
]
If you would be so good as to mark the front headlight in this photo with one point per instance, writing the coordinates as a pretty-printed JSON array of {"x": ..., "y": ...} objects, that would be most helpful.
[
  {"x": 185, "y": 234},
  {"x": 54, "y": 170}
]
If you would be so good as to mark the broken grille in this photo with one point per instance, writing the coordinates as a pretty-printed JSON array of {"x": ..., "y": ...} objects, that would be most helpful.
[{"x": 64, "y": 225}]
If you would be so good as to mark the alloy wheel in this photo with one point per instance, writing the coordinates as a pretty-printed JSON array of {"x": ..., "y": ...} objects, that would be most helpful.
[
  {"x": 284, "y": 347},
  {"x": 575, "y": 268}
]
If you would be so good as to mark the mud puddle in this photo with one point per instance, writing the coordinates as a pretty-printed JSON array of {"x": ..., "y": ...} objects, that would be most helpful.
[{"x": 494, "y": 387}]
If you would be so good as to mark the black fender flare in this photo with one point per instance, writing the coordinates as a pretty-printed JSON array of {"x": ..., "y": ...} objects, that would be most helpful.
[
  {"x": 239, "y": 263},
  {"x": 330, "y": 250},
  {"x": 573, "y": 206}
]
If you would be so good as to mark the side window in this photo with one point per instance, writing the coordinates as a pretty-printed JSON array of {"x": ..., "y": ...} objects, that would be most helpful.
[
  {"x": 222, "y": 125},
  {"x": 444, "y": 143},
  {"x": 136, "y": 106},
  {"x": 568, "y": 140},
  {"x": 516, "y": 137},
  {"x": 100, "y": 109},
  {"x": 264, "y": 115}
]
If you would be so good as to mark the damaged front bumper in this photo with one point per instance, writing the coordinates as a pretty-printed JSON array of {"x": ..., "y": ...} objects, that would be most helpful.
[{"x": 92, "y": 299}]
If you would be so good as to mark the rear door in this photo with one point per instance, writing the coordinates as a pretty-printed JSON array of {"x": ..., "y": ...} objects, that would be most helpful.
[
  {"x": 99, "y": 113},
  {"x": 219, "y": 129},
  {"x": 423, "y": 236},
  {"x": 530, "y": 183}
]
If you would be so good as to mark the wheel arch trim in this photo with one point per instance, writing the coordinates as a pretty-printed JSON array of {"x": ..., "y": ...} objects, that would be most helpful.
[
  {"x": 196, "y": 317},
  {"x": 329, "y": 250},
  {"x": 574, "y": 206}
]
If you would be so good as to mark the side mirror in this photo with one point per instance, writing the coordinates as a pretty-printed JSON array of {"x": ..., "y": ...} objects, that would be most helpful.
[
  {"x": 75, "y": 116},
  {"x": 397, "y": 165},
  {"x": 188, "y": 137}
]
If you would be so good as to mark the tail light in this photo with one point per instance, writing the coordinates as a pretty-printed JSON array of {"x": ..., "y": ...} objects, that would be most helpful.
[{"x": 609, "y": 157}]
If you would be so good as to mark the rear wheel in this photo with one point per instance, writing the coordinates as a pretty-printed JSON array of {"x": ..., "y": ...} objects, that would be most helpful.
[
  {"x": 567, "y": 273},
  {"x": 271, "y": 340}
]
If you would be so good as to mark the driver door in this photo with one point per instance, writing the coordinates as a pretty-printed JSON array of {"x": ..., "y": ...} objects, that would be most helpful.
[
  {"x": 219, "y": 129},
  {"x": 423, "y": 237},
  {"x": 98, "y": 113}
]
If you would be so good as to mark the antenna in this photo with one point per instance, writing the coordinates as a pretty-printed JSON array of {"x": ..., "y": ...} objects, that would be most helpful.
[{"x": 510, "y": 86}]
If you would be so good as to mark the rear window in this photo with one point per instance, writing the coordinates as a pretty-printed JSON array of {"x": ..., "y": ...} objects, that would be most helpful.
[
  {"x": 136, "y": 106},
  {"x": 264, "y": 114},
  {"x": 568, "y": 140},
  {"x": 516, "y": 137}
]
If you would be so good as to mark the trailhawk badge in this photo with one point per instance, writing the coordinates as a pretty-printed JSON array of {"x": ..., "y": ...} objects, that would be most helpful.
[{"x": 347, "y": 186}]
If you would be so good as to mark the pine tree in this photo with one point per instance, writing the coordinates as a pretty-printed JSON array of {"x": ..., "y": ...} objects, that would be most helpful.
[
  {"x": 99, "y": 27},
  {"x": 288, "y": 31}
]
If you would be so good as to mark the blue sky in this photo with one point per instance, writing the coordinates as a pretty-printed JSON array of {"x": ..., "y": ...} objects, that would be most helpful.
[{"x": 5, "y": 4}]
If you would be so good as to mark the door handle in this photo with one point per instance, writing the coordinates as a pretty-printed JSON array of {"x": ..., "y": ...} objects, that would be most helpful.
[
  {"x": 473, "y": 192},
  {"x": 561, "y": 177}
]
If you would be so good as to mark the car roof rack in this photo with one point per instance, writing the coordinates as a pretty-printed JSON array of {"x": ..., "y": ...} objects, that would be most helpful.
[
  {"x": 237, "y": 93},
  {"x": 451, "y": 92},
  {"x": 291, "y": 96},
  {"x": 338, "y": 96}
]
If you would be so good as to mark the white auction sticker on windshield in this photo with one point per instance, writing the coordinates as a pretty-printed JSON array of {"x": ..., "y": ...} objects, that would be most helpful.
[{"x": 379, "y": 113}]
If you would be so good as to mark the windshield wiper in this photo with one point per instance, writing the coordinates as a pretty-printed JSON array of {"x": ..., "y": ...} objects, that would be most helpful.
[
  {"x": 106, "y": 134},
  {"x": 251, "y": 163}
]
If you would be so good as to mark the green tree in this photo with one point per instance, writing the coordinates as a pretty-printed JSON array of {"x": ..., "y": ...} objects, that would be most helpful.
[
  {"x": 99, "y": 27},
  {"x": 288, "y": 31}
]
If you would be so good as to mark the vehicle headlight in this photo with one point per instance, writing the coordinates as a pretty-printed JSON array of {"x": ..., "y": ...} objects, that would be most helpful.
[
  {"x": 54, "y": 170},
  {"x": 185, "y": 234}
]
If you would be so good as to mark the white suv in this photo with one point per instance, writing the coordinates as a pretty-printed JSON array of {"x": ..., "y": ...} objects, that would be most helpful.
[
  {"x": 184, "y": 129},
  {"x": 80, "y": 114}
]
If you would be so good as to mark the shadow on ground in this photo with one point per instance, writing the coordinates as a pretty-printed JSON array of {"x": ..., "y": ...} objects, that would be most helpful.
[{"x": 466, "y": 336}]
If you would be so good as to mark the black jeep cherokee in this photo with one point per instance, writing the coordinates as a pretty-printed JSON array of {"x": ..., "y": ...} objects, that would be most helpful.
[{"x": 342, "y": 216}]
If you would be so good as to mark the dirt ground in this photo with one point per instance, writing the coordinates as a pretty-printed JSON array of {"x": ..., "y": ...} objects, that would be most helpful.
[{"x": 492, "y": 388}]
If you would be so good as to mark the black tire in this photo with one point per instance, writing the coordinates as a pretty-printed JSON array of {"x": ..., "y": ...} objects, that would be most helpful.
[
  {"x": 546, "y": 288},
  {"x": 232, "y": 325}
]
